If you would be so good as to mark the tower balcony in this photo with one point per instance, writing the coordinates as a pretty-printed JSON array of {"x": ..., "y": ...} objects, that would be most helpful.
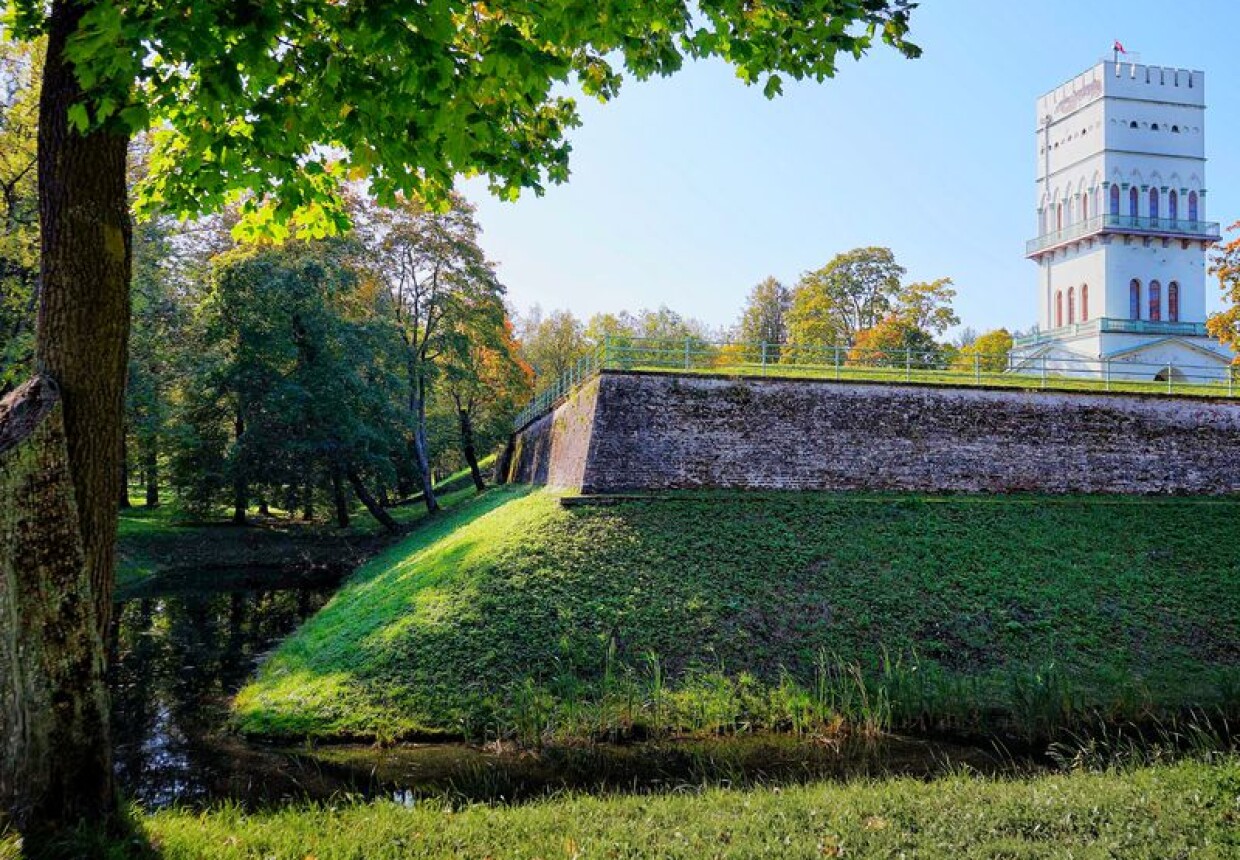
[
  {"x": 1112, "y": 325},
  {"x": 1130, "y": 225}
]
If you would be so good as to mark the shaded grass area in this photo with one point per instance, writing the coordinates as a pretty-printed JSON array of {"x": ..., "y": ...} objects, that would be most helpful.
[
  {"x": 164, "y": 540},
  {"x": 1188, "y": 809},
  {"x": 810, "y": 612}
]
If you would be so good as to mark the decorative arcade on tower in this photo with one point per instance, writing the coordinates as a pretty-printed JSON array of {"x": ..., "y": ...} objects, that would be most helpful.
[{"x": 1123, "y": 234}]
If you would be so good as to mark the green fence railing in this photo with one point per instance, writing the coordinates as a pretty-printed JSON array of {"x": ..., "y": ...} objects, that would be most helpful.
[{"x": 934, "y": 365}]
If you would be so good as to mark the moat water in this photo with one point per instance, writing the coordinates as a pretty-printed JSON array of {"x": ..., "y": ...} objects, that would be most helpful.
[{"x": 185, "y": 644}]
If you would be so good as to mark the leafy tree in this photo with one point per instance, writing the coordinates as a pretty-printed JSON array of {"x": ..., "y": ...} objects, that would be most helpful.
[
  {"x": 894, "y": 342},
  {"x": 651, "y": 337},
  {"x": 486, "y": 382},
  {"x": 991, "y": 349},
  {"x": 851, "y": 293},
  {"x": 928, "y": 306},
  {"x": 764, "y": 320},
  {"x": 159, "y": 320},
  {"x": 552, "y": 344},
  {"x": 1225, "y": 325},
  {"x": 279, "y": 101},
  {"x": 765, "y": 317},
  {"x": 295, "y": 379},
  {"x": 20, "y": 68},
  {"x": 438, "y": 278}
]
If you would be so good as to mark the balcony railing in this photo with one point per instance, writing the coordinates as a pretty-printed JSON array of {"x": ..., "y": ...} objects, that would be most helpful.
[
  {"x": 1110, "y": 325},
  {"x": 1124, "y": 224}
]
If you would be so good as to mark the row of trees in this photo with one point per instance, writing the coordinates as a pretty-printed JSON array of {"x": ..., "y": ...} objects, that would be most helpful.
[
  {"x": 279, "y": 375},
  {"x": 858, "y": 302},
  {"x": 283, "y": 375}
]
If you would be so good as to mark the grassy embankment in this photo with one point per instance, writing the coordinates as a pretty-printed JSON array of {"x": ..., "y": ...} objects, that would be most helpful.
[
  {"x": 161, "y": 540},
  {"x": 1188, "y": 809},
  {"x": 514, "y": 616}
]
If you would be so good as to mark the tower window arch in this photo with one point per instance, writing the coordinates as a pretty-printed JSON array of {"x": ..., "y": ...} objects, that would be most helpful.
[
  {"x": 1058, "y": 308},
  {"x": 1059, "y": 216},
  {"x": 1085, "y": 206},
  {"x": 1173, "y": 301},
  {"x": 1084, "y": 302},
  {"x": 1192, "y": 206},
  {"x": 1154, "y": 126},
  {"x": 1134, "y": 299},
  {"x": 1153, "y": 204},
  {"x": 1134, "y": 202},
  {"x": 1132, "y": 124},
  {"x": 1155, "y": 292},
  {"x": 1071, "y": 305},
  {"x": 1173, "y": 205},
  {"x": 1114, "y": 198}
]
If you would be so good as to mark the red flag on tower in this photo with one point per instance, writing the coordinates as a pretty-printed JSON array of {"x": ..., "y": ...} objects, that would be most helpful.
[{"x": 1119, "y": 47}]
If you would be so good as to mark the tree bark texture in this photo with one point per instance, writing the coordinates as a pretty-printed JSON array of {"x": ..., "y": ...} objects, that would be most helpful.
[
  {"x": 468, "y": 448},
  {"x": 376, "y": 510},
  {"x": 55, "y": 767},
  {"x": 63, "y": 551}
]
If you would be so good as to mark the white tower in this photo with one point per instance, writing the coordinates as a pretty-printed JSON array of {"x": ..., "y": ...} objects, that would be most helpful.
[{"x": 1122, "y": 230}]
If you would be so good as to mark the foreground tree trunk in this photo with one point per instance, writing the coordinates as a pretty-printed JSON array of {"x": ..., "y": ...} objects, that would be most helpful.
[
  {"x": 469, "y": 450},
  {"x": 59, "y": 540},
  {"x": 376, "y": 510},
  {"x": 55, "y": 765}
]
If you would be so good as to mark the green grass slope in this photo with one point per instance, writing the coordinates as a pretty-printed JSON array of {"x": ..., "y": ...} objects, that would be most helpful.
[{"x": 515, "y": 615}]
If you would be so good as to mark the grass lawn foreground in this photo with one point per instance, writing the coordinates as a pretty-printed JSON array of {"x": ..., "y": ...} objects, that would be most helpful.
[{"x": 1189, "y": 809}]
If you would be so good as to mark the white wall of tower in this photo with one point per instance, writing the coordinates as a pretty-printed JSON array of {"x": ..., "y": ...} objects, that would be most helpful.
[{"x": 1126, "y": 126}]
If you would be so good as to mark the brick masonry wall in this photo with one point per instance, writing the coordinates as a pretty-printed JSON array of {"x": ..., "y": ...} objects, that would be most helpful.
[
  {"x": 553, "y": 450},
  {"x": 633, "y": 432}
]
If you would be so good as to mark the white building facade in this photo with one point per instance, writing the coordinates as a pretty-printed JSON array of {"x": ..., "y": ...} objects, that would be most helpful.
[{"x": 1123, "y": 235}]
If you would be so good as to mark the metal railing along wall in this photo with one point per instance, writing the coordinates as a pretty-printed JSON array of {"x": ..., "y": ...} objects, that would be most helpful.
[{"x": 930, "y": 364}]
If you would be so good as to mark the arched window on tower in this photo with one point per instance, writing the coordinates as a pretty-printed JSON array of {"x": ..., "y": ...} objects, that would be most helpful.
[
  {"x": 1114, "y": 198},
  {"x": 1059, "y": 216},
  {"x": 1192, "y": 206},
  {"x": 1155, "y": 300},
  {"x": 1085, "y": 206},
  {"x": 1071, "y": 305},
  {"x": 1133, "y": 202},
  {"x": 1058, "y": 308},
  {"x": 1173, "y": 205},
  {"x": 1173, "y": 301},
  {"x": 1153, "y": 204},
  {"x": 1084, "y": 302},
  {"x": 1134, "y": 299}
]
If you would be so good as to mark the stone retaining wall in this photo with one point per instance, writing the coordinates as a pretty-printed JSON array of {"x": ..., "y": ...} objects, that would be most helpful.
[{"x": 629, "y": 432}]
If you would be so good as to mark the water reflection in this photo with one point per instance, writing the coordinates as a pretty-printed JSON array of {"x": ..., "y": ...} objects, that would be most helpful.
[
  {"x": 180, "y": 654},
  {"x": 177, "y": 659}
]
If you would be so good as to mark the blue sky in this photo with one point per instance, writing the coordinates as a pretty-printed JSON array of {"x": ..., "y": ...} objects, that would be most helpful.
[{"x": 686, "y": 191}]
